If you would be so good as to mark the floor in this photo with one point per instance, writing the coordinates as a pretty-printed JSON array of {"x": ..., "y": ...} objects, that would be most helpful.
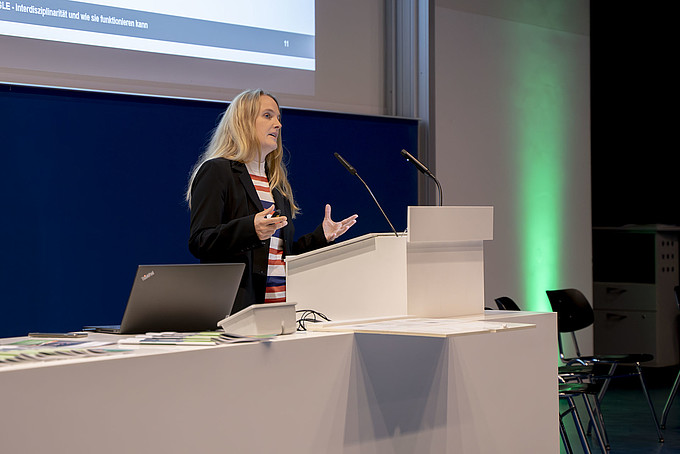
[{"x": 628, "y": 419}]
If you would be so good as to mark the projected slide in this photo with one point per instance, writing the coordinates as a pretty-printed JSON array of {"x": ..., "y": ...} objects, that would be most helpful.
[{"x": 274, "y": 33}]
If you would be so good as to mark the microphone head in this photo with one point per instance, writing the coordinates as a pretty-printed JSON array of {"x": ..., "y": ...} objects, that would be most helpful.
[
  {"x": 418, "y": 164},
  {"x": 346, "y": 164}
]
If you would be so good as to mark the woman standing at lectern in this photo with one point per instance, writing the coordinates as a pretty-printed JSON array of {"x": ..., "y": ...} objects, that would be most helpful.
[{"x": 242, "y": 204}]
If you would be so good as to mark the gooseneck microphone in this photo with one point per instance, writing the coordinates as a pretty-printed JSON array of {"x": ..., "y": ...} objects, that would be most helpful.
[
  {"x": 347, "y": 166},
  {"x": 420, "y": 166},
  {"x": 354, "y": 172}
]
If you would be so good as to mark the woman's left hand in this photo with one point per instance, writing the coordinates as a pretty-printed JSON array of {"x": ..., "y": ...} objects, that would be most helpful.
[{"x": 333, "y": 229}]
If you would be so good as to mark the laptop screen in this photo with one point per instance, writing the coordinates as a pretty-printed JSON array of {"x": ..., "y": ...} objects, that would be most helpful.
[{"x": 181, "y": 298}]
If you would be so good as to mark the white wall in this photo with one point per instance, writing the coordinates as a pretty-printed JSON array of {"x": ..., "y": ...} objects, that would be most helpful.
[{"x": 512, "y": 125}]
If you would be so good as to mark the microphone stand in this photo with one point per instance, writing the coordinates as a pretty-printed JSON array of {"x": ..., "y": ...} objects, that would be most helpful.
[
  {"x": 376, "y": 202},
  {"x": 439, "y": 187},
  {"x": 354, "y": 172},
  {"x": 420, "y": 166}
]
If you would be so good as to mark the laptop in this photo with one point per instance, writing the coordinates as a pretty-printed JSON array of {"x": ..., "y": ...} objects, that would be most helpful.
[{"x": 182, "y": 298}]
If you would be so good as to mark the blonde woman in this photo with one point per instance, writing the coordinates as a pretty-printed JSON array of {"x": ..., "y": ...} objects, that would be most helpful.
[{"x": 242, "y": 204}]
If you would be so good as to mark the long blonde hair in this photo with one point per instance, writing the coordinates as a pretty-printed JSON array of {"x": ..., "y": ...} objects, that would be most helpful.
[{"x": 235, "y": 138}]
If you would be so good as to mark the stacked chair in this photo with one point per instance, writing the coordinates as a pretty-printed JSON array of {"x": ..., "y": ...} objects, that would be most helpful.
[
  {"x": 572, "y": 384},
  {"x": 568, "y": 391},
  {"x": 505, "y": 303},
  {"x": 574, "y": 313},
  {"x": 588, "y": 376}
]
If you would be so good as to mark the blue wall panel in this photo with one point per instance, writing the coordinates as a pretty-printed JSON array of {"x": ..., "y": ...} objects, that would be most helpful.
[{"x": 93, "y": 185}]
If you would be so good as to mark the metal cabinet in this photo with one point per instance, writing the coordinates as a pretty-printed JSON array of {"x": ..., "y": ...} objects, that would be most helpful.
[{"x": 635, "y": 269}]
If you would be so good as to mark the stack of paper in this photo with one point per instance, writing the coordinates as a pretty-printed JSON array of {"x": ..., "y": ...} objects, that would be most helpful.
[
  {"x": 430, "y": 327},
  {"x": 45, "y": 350}
]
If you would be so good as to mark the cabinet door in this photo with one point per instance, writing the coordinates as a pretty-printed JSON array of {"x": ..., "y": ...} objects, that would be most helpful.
[
  {"x": 619, "y": 296},
  {"x": 620, "y": 332}
]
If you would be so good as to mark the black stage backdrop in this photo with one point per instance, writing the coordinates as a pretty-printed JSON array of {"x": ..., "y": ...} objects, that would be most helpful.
[{"x": 94, "y": 185}]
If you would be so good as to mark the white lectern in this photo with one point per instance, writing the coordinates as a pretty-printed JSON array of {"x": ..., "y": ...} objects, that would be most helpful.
[{"x": 435, "y": 270}]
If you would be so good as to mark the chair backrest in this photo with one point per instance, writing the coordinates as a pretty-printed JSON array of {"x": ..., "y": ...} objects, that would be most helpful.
[
  {"x": 505, "y": 303},
  {"x": 574, "y": 312}
]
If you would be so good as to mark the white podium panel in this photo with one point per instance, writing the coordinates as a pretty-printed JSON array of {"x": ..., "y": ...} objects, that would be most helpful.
[
  {"x": 449, "y": 224},
  {"x": 436, "y": 270},
  {"x": 361, "y": 278}
]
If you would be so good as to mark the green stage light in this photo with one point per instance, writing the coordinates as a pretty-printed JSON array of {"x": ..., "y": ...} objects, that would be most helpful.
[{"x": 540, "y": 106}]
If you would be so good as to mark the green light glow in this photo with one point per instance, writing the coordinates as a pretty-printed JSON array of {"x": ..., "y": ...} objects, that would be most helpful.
[{"x": 540, "y": 112}]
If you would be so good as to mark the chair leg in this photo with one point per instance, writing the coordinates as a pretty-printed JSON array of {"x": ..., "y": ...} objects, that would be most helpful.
[
  {"x": 598, "y": 400},
  {"x": 597, "y": 420},
  {"x": 605, "y": 386},
  {"x": 596, "y": 423},
  {"x": 565, "y": 438},
  {"x": 669, "y": 402},
  {"x": 600, "y": 419},
  {"x": 579, "y": 426},
  {"x": 649, "y": 401}
]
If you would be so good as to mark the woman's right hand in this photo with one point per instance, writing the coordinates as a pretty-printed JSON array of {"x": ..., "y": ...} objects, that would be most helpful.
[{"x": 265, "y": 226}]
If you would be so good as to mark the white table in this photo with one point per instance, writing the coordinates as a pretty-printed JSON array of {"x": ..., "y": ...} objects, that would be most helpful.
[{"x": 306, "y": 393}]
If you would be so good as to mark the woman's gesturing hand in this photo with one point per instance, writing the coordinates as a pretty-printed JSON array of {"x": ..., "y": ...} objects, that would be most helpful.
[
  {"x": 265, "y": 225},
  {"x": 333, "y": 229}
]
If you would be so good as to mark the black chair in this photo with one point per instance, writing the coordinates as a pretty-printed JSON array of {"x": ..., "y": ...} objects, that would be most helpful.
[
  {"x": 574, "y": 313},
  {"x": 674, "y": 390},
  {"x": 567, "y": 393},
  {"x": 506, "y": 303},
  {"x": 572, "y": 382},
  {"x": 579, "y": 374}
]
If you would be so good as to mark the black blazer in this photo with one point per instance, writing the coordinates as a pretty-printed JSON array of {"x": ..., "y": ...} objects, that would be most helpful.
[{"x": 223, "y": 207}]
